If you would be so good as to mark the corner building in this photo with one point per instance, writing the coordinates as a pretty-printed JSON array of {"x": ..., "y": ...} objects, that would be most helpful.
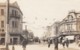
[
  {"x": 14, "y": 26},
  {"x": 70, "y": 26}
]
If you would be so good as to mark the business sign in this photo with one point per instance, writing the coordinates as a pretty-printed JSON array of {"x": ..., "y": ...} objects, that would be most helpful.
[{"x": 70, "y": 37}]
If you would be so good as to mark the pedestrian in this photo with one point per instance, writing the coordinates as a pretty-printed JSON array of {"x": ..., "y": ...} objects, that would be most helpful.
[
  {"x": 63, "y": 43},
  {"x": 61, "y": 39},
  {"x": 39, "y": 41},
  {"x": 24, "y": 43},
  {"x": 56, "y": 43},
  {"x": 67, "y": 43},
  {"x": 49, "y": 42},
  {"x": 13, "y": 48}
]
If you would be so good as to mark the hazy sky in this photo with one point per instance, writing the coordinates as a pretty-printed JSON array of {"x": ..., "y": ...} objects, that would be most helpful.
[{"x": 41, "y": 13}]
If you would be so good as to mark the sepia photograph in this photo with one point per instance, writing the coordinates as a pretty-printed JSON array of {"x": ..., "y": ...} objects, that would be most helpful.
[{"x": 39, "y": 24}]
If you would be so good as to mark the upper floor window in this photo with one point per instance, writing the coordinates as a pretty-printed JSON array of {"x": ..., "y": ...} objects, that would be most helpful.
[
  {"x": 14, "y": 12},
  {"x": 14, "y": 24},
  {"x": 2, "y": 11},
  {"x": 2, "y": 24},
  {"x": 2, "y": 30}
]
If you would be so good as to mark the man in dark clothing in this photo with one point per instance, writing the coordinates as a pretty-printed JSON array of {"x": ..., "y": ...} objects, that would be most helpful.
[
  {"x": 63, "y": 43},
  {"x": 67, "y": 42},
  {"x": 24, "y": 43},
  {"x": 56, "y": 43},
  {"x": 49, "y": 42}
]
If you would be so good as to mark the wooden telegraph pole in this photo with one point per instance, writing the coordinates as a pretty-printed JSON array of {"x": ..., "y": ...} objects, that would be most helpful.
[{"x": 7, "y": 23}]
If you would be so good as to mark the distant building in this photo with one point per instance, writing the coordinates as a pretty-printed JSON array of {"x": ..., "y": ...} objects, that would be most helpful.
[
  {"x": 70, "y": 25},
  {"x": 28, "y": 34},
  {"x": 15, "y": 25},
  {"x": 56, "y": 28},
  {"x": 47, "y": 33}
]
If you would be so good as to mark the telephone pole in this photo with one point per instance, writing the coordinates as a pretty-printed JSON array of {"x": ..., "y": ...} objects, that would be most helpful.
[{"x": 7, "y": 23}]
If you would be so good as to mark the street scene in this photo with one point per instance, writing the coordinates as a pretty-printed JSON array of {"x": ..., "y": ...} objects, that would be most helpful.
[{"x": 39, "y": 24}]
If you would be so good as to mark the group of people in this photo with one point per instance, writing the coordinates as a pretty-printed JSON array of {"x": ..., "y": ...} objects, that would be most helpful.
[
  {"x": 64, "y": 42},
  {"x": 50, "y": 41}
]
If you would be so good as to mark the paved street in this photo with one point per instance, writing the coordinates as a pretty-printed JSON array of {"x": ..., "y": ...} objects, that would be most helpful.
[{"x": 44, "y": 47}]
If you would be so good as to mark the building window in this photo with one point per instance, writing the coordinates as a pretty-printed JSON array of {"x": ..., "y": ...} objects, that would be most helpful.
[
  {"x": 14, "y": 24},
  {"x": 2, "y": 11},
  {"x": 2, "y": 30},
  {"x": 16, "y": 13},
  {"x": 13, "y": 12},
  {"x": 2, "y": 24}
]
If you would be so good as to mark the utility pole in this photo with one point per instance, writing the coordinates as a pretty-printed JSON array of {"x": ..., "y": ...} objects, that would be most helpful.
[{"x": 7, "y": 23}]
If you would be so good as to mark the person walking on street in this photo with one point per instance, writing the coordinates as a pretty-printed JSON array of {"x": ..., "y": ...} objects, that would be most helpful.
[
  {"x": 24, "y": 43},
  {"x": 64, "y": 42},
  {"x": 49, "y": 42},
  {"x": 67, "y": 43},
  {"x": 56, "y": 43},
  {"x": 39, "y": 41}
]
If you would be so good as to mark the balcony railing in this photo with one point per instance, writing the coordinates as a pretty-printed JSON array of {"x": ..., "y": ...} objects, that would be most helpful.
[{"x": 15, "y": 16}]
